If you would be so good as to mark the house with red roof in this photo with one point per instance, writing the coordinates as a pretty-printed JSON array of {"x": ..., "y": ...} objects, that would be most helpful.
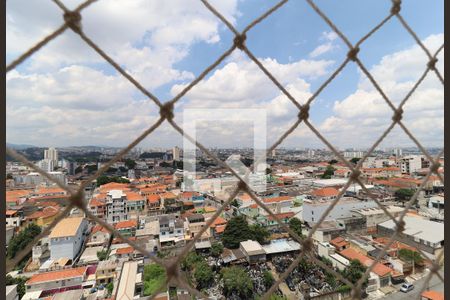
[
  {"x": 326, "y": 193},
  {"x": 59, "y": 281},
  {"x": 127, "y": 228},
  {"x": 99, "y": 236},
  {"x": 383, "y": 272}
]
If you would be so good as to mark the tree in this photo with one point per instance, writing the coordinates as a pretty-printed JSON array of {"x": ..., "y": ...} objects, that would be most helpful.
[
  {"x": 268, "y": 279},
  {"x": 109, "y": 288},
  {"x": 191, "y": 259},
  {"x": 328, "y": 172},
  {"x": 216, "y": 249},
  {"x": 332, "y": 162},
  {"x": 259, "y": 233},
  {"x": 20, "y": 281},
  {"x": 236, "y": 280},
  {"x": 235, "y": 203},
  {"x": 21, "y": 240},
  {"x": 236, "y": 231},
  {"x": 355, "y": 160},
  {"x": 101, "y": 180},
  {"x": 296, "y": 226},
  {"x": 102, "y": 255},
  {"x": 354, "y": 271},
  {"x": 9, "y": 176},
  {"x": 129, "y": 163},
  {"x": 154, "y": 277},
  {"x": 203, "y": 274},
  {"x": 404, "y": 195}
]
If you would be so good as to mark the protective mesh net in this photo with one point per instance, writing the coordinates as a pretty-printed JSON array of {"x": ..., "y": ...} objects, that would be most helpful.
[{"x": 73, "y": 21}]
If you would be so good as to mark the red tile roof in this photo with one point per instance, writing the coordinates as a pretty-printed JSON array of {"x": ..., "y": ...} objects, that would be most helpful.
[
  {"x": 281, "y": 216},
  {"x": 98, "y": 228},
  {"x": 325, "y": 192},
  {"x": 57, "y": 275},
  {"x": 379, "y": 269},
  {"x": 433, "y": 295},
  {"x": 153, "y": 198},
  {"x": 47, "y": 212},
  {"x": 126, "y": 224},
  {"x": 132, "y": 196},
  {"x": 126, "y": 250}
]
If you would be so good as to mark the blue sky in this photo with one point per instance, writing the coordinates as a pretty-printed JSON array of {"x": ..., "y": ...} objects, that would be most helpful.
[{"x": 66, "y": 94}]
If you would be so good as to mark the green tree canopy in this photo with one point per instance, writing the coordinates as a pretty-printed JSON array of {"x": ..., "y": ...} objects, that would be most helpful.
[
  {"x": 355, "y": 160},
  {"x": 203, "y": 274},
  {"x": 354, "y": 271},
  {"x": 236, "y": 231},
  {"x": 332, "y": 162},
  {"x": 296, "y": 226},
  {"x": 404, "y": 194},
  {"x": 154, "y": 277},
  {"x": 109, "y": 288},
  {"x": 101, "y": 180},
  {"x": 20, "y": 281},
  {"x": 328, "y": 172},
  {"x": 129, "y": 163},
  {"x": 102, "y": 255},
  {"x": 237, "y": 280},
  {"x": 216, "y": 249},
  {"x": 410, "y": 255},
  {"x": 268, "y": 279},
  {"x": 259, "y": 233},
  {"x": 21, "y": 240},
  {"x": 191, "y": 259}
]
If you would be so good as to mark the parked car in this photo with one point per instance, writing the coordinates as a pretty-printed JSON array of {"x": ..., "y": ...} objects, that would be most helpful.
[{"x": 406, "y": 287}]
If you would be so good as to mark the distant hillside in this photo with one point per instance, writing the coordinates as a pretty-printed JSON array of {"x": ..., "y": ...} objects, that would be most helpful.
[{"x": 19, "y": 146}]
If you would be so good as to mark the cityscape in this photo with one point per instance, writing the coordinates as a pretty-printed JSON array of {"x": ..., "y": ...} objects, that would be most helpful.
[{"x": 143, "y": 198}]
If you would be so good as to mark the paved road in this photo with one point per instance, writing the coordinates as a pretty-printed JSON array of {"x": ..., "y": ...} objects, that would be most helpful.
[{"x": 435, "y": 284}]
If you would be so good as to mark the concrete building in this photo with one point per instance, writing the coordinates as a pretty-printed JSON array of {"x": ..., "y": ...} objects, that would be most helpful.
[
  {"x": 67, "y": 238},
  {"x": 412, "y": 164},
  {"x": 253, "y": 251},
  {"x": 419, "y": 233},
  {"x": 171, "y": 231},
  {"x": 47, "y": 165},
  {"x": 11, "y": 292},
  {"x": 116, "y": 207},
  {"x": 176, "y": 153},
  {"x": 52, "y": 155},
  {"x": 105, "y": 272},
  {"x": 313, "y": 210},
  {"x": 376, "y": 215}
]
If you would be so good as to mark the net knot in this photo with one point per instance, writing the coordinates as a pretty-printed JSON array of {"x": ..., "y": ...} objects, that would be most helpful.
[
  {"x": 356, "y": 293},
  {"x": 166, "y": 111},
  {"x": 435, "y": 167},
  {"x": 239, "y": 41},
  {"x": 307, "y": 245},
  {"x": 242, "y": 185},
  {"x": 432, "y": 63},
  {"x": 397, "y": 115},
  {"x": 73, "y": 20},
  {"x": 396, "y": 6},
  {"x": 77, "y": 200},
  {"x": 353, "y": 53},
  {"x": 355, "y": 175},
  {"x": 303, "y": 115}
]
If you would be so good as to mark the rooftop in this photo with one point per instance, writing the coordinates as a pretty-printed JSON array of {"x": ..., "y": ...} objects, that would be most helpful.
[
  {"x": 57, "y": 275},
  {"x": 252, "y": 247},
  {"x": 66, "y": 227},
  {"x": 419, "y": 228}
]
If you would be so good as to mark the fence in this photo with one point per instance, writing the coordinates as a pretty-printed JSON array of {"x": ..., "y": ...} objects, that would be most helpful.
[{"x": 73, "y": 21}]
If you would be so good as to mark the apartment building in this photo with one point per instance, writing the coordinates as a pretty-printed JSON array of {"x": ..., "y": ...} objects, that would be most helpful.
[
  {"x": 171, "y": 230},
  {"x": 116, "y": 206}
]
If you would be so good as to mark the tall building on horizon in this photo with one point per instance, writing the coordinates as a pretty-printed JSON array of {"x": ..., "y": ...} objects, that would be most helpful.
[
  {"x": 176, "y": 153},
  {"x": 51, "y": 154}
]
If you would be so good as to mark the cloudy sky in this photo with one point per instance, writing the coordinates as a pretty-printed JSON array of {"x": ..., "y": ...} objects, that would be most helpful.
[{"x": 67, "y": 95}]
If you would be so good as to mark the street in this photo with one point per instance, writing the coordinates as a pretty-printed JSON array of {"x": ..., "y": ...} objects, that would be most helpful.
[{"x": 435, "y": 284}]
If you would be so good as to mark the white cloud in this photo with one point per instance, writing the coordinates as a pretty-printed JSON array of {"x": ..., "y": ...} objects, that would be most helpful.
[
  {"x": 327, "y": 46},
  {"x": 360, "y": 118}
]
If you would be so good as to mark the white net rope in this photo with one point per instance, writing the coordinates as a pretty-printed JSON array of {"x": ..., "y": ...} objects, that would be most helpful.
[{"x": 73, "y": 21}]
